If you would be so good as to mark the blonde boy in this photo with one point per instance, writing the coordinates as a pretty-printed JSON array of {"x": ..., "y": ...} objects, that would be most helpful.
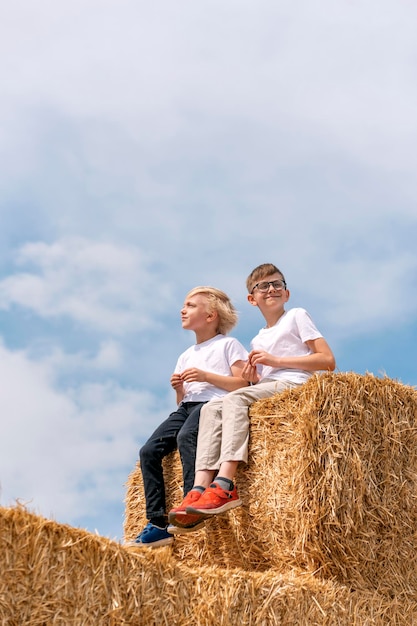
[{"x": 209, "y": 369}]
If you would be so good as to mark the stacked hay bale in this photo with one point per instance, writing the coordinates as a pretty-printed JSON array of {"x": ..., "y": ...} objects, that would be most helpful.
[
  {"x": 330, "y": 488},
  {"x": 53, "y": 574},
  {"x": 326, "y": 534}
]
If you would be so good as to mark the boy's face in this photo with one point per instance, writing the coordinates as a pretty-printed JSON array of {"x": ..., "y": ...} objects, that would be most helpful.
[
  {"x": 272, "y": 297},
  {"x": 195, "y": 313}
]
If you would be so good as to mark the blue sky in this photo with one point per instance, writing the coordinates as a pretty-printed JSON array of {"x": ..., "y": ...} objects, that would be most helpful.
[{"x": 147, "y": 148}]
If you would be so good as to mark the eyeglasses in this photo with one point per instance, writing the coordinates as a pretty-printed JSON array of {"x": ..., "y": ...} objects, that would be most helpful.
[{"x": 263, "y": 287}]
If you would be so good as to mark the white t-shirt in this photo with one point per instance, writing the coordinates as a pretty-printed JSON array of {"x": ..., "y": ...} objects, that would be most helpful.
[
  {"x": 287, "y": 338},
  {"x": 215, "y": 355}
]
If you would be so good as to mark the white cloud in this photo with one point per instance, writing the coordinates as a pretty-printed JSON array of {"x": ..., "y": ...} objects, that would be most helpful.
[
  {"x": 112, "y": 290},
  {"x": 67, "y": 453},
  {"x": 109, "y": 356},
  {"x": 368, "y": 294},
  {"x": 98, "y": 284},
  {"x": 342, "y": 72}
]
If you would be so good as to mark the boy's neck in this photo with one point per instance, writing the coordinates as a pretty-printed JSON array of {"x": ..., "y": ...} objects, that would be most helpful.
[
  {"x": 202, "y": 336},
  {"x": 271, "y": 320}
]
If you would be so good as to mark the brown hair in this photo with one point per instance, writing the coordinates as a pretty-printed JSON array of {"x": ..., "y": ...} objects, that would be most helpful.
[{"x": 262, "y": 271}]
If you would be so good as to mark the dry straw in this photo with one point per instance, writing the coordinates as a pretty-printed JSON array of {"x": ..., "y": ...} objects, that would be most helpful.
[
  {"x": 330, "y": 488},
  {"x": 55, "y": 575},
  {"x": 326, "y": 534}
]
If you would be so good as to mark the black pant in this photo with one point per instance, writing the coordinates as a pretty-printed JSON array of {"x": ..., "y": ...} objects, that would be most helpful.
[{"x": 180, "y": 431}]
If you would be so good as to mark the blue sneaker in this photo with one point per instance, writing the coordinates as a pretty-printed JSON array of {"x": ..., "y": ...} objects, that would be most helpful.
[{"x": 152, "y": 537}]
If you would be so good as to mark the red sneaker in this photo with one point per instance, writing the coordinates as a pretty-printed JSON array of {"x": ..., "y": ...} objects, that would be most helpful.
[
  {"x": 178, "y": 516},
  {"x": 177, "y": 529},
  {"x": 215, "y": 500}
]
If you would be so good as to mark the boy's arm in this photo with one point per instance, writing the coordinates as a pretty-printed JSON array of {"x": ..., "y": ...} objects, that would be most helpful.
[
  {"x": 177, "y": 384},
  {"x": 321, "y": 358},
  {"x": 229, "y": 383}
]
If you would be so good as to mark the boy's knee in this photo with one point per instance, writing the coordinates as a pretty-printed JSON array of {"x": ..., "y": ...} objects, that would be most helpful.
[
  {"x": 185, "y": 438},
  {"x": 238, "y": 398},
  {"x": 147, "y": 451},
  {"x": 211, "y": 408}
]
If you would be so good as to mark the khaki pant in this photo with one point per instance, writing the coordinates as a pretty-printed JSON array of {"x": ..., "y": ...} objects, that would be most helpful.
[{"x": 224, "y": 424}]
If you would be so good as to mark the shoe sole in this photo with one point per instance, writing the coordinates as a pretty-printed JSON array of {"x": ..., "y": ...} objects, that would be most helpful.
[
  {"x": 173, "y": 514},
  {"x": 184, "y": 530},
  {"x": 153, "y": 544},
  {"x": 221, "y": 509},
  {"x": 184, "y": 521}
]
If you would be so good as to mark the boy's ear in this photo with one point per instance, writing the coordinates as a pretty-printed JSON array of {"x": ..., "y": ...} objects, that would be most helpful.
[
  {"x": 212, "y": 315},
  {"x": 252, "y": 300}
]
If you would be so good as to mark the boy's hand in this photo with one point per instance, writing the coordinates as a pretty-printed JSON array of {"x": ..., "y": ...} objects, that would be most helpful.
[
  {"x": 193, "y": 375},
  {"x": 176, "y": 381},
  {"x": 260, "y": 357},
  {"x": 249, "y": 373}
]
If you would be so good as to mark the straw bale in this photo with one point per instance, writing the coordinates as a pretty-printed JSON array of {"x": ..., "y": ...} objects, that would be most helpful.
[
  {"x": 330, "y": 488},
  {"x": 53, "y": 574}
]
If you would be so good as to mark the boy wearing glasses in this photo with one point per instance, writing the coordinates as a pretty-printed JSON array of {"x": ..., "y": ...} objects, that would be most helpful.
[
  {"x": 209, "y": 369},
  {"x": 285, "y": 353}
]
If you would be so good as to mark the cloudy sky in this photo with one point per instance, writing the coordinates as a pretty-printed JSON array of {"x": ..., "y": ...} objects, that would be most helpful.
[{"x": 148, "y": 147}]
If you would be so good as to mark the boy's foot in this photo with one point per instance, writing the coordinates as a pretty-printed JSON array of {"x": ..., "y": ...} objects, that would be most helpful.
[
  {"x": 178, "y": 515},
  {"x": 215, "y": 500},
  {"x": 152, "y": 537},
  {"x": 189, "y": 528}
]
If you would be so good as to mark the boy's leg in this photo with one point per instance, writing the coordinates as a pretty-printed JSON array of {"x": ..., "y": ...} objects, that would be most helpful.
[
  {"x": 160, "y": 444},
  {"x": 235, "y": 436},
  {"x": 187, "y": 443},
  {"x": 193, "y": 486},
  {"x": 209, "y": 435},
  {"x": 221, "y": 495},
  {"x": 224, "y": 425}
]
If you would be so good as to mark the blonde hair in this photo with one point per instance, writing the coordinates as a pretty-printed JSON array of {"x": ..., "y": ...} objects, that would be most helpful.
[
  {"x": 260, "y": 272},
  {"x": 219, "y": 302}
]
